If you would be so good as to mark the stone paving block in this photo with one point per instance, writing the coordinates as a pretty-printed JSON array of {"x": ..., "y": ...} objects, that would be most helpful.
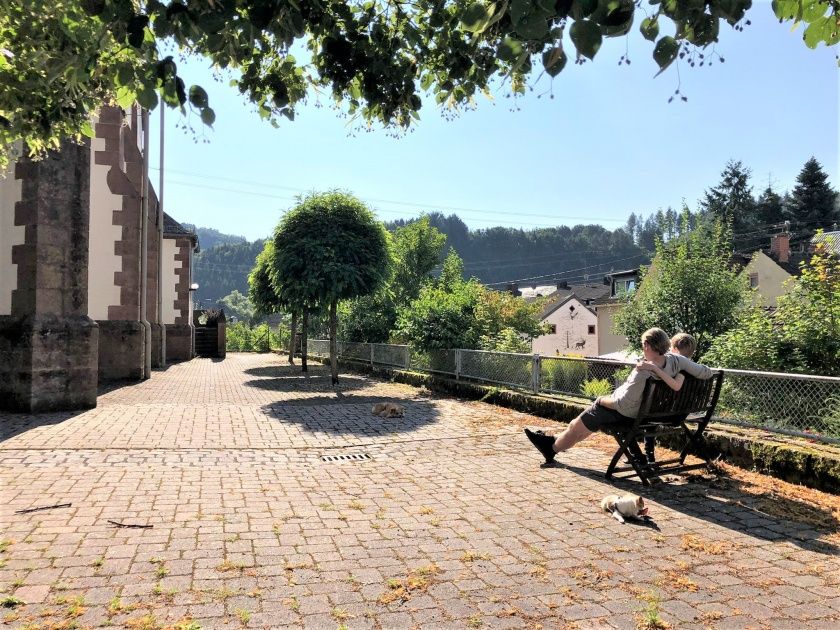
[{"x": 231, "y": 477}]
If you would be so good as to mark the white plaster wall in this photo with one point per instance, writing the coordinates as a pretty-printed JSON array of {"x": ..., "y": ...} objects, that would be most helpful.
[
  {"x": 103, "y": 262},
  {"x": 570, "y": 331},
  {"x": 771, "y": 279},
  {"x": 10, "y": 235},
  {"x": 170, "y": 279},
  {"x": 608, "y": 340}
]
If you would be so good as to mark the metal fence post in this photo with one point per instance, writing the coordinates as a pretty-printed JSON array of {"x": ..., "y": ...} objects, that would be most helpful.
[
  {"x": 536, "y": 364},
  {"x": 371, "y": 355},
  {"x": 457, "y": 364},
  {"x": 407, "y": 358}
]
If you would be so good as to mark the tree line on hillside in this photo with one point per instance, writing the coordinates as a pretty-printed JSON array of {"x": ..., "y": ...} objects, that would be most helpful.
[{"x": 812, "y": 204}]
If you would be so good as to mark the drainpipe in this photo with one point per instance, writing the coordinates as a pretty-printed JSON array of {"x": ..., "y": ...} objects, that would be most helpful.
[
  {"x": 160, "y": 251},
  {"x": 144, "y": 248}
]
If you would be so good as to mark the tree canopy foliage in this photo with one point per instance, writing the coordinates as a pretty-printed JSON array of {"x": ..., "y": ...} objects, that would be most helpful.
[
  {"x": 61, "y": 59},
  {"x": 326, "y": 249},
  {"x": 801, "y": 335},
  {"x": 689, "y": 287},
  {"x": 415, "y": 251},
  {"x": 456, "y": 313}
]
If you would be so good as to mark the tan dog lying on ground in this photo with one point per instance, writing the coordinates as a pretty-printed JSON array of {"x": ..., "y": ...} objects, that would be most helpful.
[
  {"x": 388, "y": 410},
  {"x": 629, "y": 505}
]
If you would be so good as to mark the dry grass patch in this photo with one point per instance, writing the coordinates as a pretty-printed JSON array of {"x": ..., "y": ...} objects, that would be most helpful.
[
  {"x": 355, "y": 504},
  {"x": 426, "y": 510},
  {"x": 709, "y": 617},
  {"x": 339, "y": 614},
  {"x": 692, "y": 542},
  {"x": 590, "y": 576},
  {"x": 401, "y": 589},
  {"x": 228, "y": 565},
  {"x": 146, "y": 622},
  {"x": 472, "y": 556}
]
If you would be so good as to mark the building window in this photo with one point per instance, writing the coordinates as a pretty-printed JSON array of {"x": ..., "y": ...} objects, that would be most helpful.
[
  {"x": 552, "y": 329},
  {"x": 622, "y": 287},
  {"x": 753, "y": 281},
  {"x": 591, "y": 329}
]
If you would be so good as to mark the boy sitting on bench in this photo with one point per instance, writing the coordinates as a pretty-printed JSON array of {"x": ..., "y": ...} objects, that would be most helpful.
[
  {"x": 684, "y": 345},
  {"x": 623, "y": 405}
]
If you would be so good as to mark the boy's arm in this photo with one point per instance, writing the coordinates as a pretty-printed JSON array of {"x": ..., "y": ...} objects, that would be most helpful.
[{"x": 697, "y": 370}]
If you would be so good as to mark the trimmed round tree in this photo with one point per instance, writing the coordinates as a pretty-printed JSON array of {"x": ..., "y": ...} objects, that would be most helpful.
[{"x": 328, "y": 248}]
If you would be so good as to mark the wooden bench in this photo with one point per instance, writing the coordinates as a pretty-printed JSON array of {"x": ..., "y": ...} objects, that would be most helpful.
[{"x": 664, "y": 411}]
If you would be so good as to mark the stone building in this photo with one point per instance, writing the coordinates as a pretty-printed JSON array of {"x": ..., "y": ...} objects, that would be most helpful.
[{"x": 77, "y": 231}]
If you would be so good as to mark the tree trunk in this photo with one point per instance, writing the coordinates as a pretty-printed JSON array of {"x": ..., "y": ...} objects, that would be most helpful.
[
  {"x": 294, "y": 326},
  {"x": 333, "y": 344},
  {"x": 303, "y": 333}
]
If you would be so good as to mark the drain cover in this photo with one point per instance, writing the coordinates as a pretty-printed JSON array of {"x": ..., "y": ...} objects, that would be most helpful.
[{"x": 348, "y": 457}]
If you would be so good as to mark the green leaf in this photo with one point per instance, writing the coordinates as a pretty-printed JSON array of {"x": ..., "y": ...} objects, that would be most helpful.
[
  {"x": 476, "y": 17},
  {"x": 813, "y": 10},
  {"x": 821, "y": 30},
  {"x": 665, "y": 52},
  {"x": 87, "y": 129},
  {"x": 198, "y": 97},
  {"x": 426, "y": 81},
  {"x": 554, "y": 60},
  {"x": 650, "y": 29},
  {"x": 532, "y": 26},
  {"x": 125, "y": 97},
  {"x": 586, "y": 36},
  {"x": 208, "y": 116},
  {"x": 786, "y": 9},
  {"x": 509, "y": 49},
  {"x": 583, "y": 8},
  {"x": 148, "y": 98}
]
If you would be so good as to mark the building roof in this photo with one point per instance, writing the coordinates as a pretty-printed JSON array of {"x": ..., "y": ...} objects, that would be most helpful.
[
  {"x": 172, "y": 228},
  {"x": 583, "y": 293},
  {"x": 831, "y": 240}
]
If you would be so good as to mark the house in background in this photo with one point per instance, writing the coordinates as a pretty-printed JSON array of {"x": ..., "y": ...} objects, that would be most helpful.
[
  {"x": 572, "y": 321},
  {"x": 621, "y": 284},
  {"x": 179, "y": 246},
  {"x": 768, "y": 270},
  {"x": 75, "y": 305}
]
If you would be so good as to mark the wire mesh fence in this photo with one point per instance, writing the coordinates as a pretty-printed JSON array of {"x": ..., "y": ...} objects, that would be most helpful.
[
  {"x": 435, "y": 361},
  {"x": 588, "y": 378},
  {"x": 785, "y": 403},
  {"x": 502, "y": 368}
]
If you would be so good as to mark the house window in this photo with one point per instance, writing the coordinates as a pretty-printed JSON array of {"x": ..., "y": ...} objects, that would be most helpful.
[
  {"x": 591, "y": 329},
  {"x": 552, "y": 329},
  {"x": 624, "y": 286},
  {"x": 753, "y": 281}
]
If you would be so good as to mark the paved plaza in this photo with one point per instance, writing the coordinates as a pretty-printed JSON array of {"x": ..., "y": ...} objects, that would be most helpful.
[{"x": 269, "y": 499}]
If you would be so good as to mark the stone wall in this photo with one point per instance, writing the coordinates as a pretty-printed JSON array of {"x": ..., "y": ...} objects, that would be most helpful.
[
  {"x": 179, "y": 342},
  {"x": 48, "y": 344}
]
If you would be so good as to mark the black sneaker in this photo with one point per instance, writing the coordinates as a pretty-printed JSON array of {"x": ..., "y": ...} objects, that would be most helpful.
[{"x": 544, "y": 444}]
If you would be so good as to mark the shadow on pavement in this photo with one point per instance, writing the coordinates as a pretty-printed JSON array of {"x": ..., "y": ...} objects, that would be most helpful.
[
  {"x": 12, "y": 424},
  {"x": 719, "y": 501}
]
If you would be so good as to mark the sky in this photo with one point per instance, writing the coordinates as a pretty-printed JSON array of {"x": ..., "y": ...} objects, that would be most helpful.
[{"x": 609, "y": 143}]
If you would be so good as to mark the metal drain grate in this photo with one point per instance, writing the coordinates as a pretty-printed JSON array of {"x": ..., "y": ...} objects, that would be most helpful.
[{"x": 349, "y": 457}]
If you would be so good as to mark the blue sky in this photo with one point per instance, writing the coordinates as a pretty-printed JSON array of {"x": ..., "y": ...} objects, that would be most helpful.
[{"x": 606, "y": 145}]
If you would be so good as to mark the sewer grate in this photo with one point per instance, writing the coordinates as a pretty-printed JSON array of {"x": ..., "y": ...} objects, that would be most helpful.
[{"x": 348, "y": 457}]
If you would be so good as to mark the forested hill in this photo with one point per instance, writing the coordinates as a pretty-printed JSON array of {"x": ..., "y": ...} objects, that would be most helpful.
[
  {"x": 494, "y": 255},
  {"x": 501, "y": 254},
  {"x": 223, "y": 268},
  {"x": 210, "y": 237}
]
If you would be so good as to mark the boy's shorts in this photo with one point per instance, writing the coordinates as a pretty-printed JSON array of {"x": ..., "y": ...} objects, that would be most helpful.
[{"x": 597, "y": 417}]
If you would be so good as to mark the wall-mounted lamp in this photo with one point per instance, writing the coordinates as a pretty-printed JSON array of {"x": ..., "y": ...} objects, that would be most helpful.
[{"x": 194, "y": 286}]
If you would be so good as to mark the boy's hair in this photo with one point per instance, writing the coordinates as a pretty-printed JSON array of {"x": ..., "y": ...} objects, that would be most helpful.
[
  {"x": 657, "y": 339},
  {"x": 685, "y": 343}
]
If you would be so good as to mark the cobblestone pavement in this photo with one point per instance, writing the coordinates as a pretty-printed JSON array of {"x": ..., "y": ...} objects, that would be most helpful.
[{"x": 450, "y": 523}]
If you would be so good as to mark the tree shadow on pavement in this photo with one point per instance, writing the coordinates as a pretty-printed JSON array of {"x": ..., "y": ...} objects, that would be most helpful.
[
  {"x": 719, "y": 500},
  {"x": 351, "y": 415},
  {"x": 12, "y": 424}
]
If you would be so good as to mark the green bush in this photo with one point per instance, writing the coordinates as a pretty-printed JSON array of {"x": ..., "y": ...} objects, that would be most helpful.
[
  {"x": 595, "y": 387},
  {"x": 244, "y": 338},
  {"x": 563, "y": 375}
]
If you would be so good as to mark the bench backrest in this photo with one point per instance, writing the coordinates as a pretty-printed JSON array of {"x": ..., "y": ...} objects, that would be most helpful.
[{"x": 695, "y": 396}]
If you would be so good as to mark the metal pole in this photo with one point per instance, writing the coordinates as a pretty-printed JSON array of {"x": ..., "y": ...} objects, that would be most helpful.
[
  {"x": 160, "y": 248},
  {"x": 144, "y": 247}
]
